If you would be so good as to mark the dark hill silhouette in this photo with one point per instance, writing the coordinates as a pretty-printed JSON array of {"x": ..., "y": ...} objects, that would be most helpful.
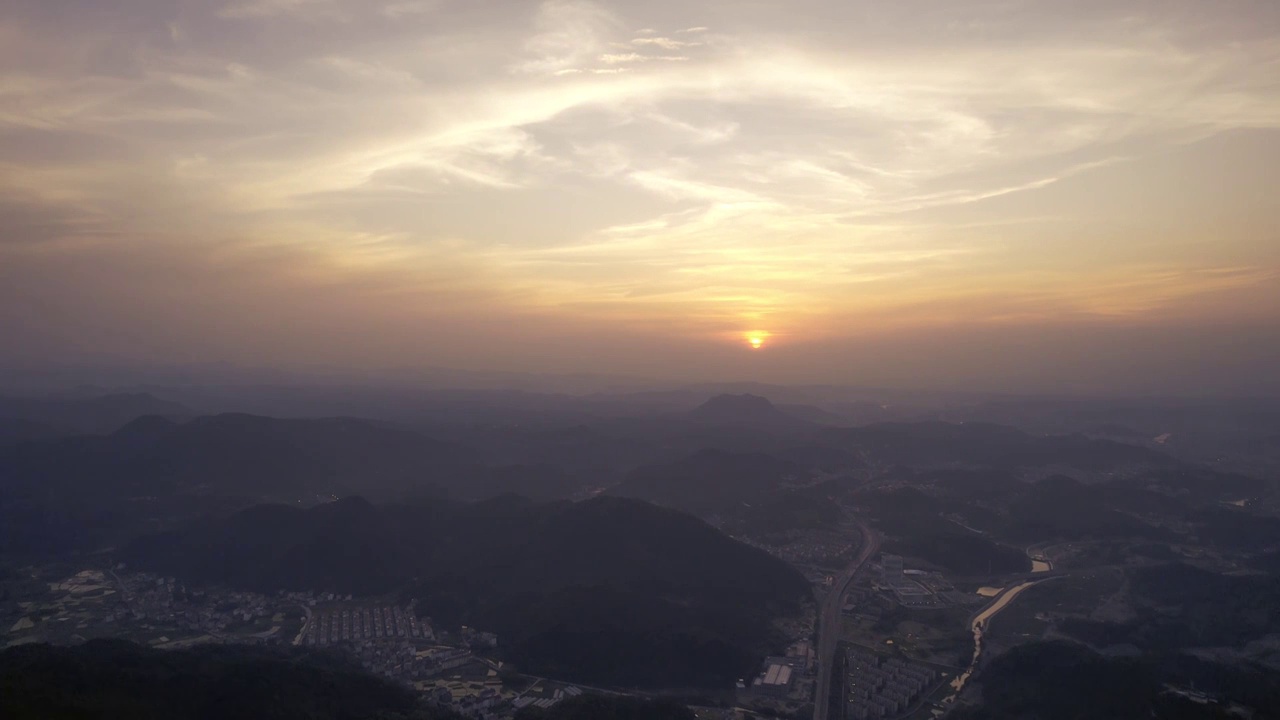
[
  {"x": 821, "y": 457},
  {"x": 119, "y": 679},
  {"x": 926, "y": 443},
  {"x": 94, "y": 415},
  {"x": 608, "y": 707},
  {"x": 566, "y": 585},
  {"x": 1058, "y": 680},
  {"x": 1060, "y": 507},
  {"x": 87, "y": 492},
  {"x": 814, "y": 414},
  {"x": 745, "y": 409},
  {"x": 16, "y": 431},
  {"x": 708, "y": 481},
  {"x": 236, "y": 453}
]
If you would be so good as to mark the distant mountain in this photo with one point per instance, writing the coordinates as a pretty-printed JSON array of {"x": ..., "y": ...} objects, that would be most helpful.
[
  {"x": 241, "y": 454},
  {"x": 1060, "y": 507},
  {"x": 821, "y": 457},
  {"x": 95, "y": 415},
  {"x": 925, "y": 443},
  {"x": 708, "y": 481},
  {"x": 539, "y": 482},
  {"x": 745, "y": 409},
  {"x": 17, "y": 431},
  {"x": 803, "y": 509},
  {"x": 814, "y": 414},
  {"x": 86, "y": 492},
  {"x": 603, "y": 591}
]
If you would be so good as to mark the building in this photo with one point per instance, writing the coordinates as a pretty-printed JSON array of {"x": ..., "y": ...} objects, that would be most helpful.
[
  {"x": 775, "y": 681},
  {"x": 891, "y": 566}
]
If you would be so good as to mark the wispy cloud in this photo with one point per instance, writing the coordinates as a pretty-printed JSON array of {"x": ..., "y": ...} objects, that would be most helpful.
[{"x": 809, "y": 160}]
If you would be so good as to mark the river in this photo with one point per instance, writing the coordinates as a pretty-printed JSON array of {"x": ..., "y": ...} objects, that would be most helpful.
[{"x": 977, "y": 626}]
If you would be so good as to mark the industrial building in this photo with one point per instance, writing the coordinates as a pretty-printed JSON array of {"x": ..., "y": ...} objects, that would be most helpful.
[{"x": 775, "y": 681}]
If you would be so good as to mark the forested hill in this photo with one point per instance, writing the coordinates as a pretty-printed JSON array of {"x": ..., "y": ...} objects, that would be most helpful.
[
  {"x": 565, "y": 584},
  {"x": 111, "y": 679}
]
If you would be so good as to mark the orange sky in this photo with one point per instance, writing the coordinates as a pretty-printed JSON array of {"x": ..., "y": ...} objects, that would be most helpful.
[{"x": 1023, "y": 194}]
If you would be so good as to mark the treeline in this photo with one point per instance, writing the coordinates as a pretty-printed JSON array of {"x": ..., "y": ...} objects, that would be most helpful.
[
  {"x": 1065, "y": 681},
  {"x": 600, "y": 707},
  {"x": 120, "y": 679},
  {"x": 1180, "y": 606},
  {"x": 608, "y": 591}
]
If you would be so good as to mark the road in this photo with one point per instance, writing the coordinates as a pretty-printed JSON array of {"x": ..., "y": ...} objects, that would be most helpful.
[
  {"x": 302, "y": 632},
  {"x": 829, "y": 619}
]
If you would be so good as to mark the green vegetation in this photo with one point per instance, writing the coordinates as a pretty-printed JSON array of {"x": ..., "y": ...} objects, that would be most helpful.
[
  {"x": 1076, "y": 595},
  {"x": 1179, "y": 606},
  {"x": 607, "y": 591},
  {"x": 1064, "y": 681},
  {"x": 995, "y": 446},
  {"x": 600, "y": 707},
  {"x": 788, "y": 510},
  {"x": 1232, "y": 529},
  {"x": 118, "y": 679},
  {"x": 708, "y": 481},
  {"x": 961, "y": 553},
  {"x": 918, "y": 529},
  {"x": 1059, "y": 507}
]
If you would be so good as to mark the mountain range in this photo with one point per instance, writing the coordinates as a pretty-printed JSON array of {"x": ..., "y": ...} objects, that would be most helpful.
[{"x": 563, "y": 584}]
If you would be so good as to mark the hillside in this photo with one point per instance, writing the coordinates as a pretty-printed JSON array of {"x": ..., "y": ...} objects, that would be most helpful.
[
  {"x": 117, "y": 679},
  {"x": 746, "y": 410},
  {"x": 87, "y": 491},
  {"x": 925, "y": 443},
  {"x": 609, "y": 707},
  {"x": 1063, "y": 681},
  {"x": 708, "y": 480},
  {"x": 236, "y": 453},
  {"x": 93, "y": 415},
  {"x": 564, "y": 584}
]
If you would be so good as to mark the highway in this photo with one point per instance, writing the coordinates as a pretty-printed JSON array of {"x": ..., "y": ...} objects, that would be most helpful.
[{"x": 829, "y": 619}]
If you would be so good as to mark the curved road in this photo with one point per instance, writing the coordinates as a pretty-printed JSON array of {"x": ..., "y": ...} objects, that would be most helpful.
[{"x": 829, "y": 619}]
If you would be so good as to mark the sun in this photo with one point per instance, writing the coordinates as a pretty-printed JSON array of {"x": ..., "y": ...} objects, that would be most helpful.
[
  {"x": 756, "y": 342},
  {"x": 756, "y": 338}
]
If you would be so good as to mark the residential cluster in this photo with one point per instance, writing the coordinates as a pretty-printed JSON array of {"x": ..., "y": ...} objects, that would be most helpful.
[
  {"x": 332, "y": 625},
  {"x": 880, "y": 687},
  {"x": 218, "y": 614},
  {"x": 392, "y": 641},
  {"x": 807, "y": 547}
]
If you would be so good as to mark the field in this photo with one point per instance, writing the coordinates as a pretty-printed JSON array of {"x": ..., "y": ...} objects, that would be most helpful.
[{"x": 1077, "y": 595}]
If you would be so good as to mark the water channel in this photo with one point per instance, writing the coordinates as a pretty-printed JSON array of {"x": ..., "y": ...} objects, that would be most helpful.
[{"x": 978, "y": 624}]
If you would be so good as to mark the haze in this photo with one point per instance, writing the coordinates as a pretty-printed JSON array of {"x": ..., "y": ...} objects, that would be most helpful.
[{"x": 1024, "y": 195}]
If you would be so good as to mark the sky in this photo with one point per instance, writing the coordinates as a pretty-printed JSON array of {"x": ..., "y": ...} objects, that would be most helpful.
[{"x": 1026, "y": 195}]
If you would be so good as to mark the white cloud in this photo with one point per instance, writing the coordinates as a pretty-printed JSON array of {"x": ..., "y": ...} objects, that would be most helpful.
[
  {"x": 765, "y": 137},
  {"x": 568, "y": 33},
  {"x": 663, "y": 42},
  {"x": 410, "y": 8},
  {"x": 251, "y": 9}
]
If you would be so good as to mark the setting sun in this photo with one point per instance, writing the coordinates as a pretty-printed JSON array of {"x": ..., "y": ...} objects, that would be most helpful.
[{"x": 756, "y": 338}]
